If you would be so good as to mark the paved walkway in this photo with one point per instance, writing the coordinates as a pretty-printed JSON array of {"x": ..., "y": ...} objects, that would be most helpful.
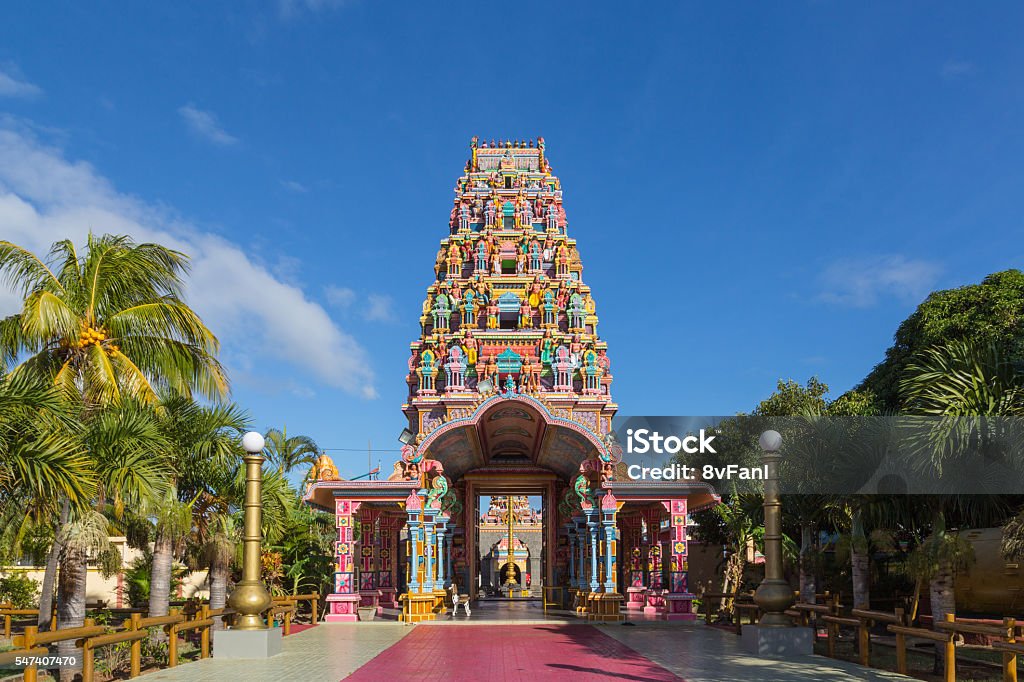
[
  {"x": 699, "y": 653},
  {"x": 520, "y": 653},
  {"x": 328, "y": 652},
  {"x": 553, "y": 650}
]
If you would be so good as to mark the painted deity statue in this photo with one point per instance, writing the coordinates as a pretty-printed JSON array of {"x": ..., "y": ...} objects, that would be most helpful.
[
  {"x": 546, "y": 347},
  {"x": 520, "y": 263},
  {"x": 492, "y": 314},
  {"x": 575, "y": 350},
  {"x": 525, "y": 214},
  {"x": 490, "y": 212},
  {"x": 471, "y": 345},
  {"x": 426, "y": 317},
  {"x": 525, "y": 315},
  {"x": 496, "y": 263}
]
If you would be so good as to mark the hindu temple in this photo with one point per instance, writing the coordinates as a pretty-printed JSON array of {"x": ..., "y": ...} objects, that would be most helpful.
[{"x": 510, "y": 400}]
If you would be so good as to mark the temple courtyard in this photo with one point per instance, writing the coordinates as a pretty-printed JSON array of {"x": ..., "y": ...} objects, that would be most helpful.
[{"x": 488, "y": 648}]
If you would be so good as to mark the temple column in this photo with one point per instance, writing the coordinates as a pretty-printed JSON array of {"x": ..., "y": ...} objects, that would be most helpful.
[
  {"x": 571, "y": 532},
  {"x": 342, "y": 603},
  {"x": 449, "y": 538},
  {"x": 442, "y": 566},
  {"x": 414, "y": 552},
  {"x": 386, "y": 578},
  {"x": 429, "y": 551},
  {"x": 610, "y": 548},
  {"x": 679, "y": 600},
  {"x": 592, "y": 527},
  {"x": 582, "y": 537},
  {"x": 369, "y": 551}
]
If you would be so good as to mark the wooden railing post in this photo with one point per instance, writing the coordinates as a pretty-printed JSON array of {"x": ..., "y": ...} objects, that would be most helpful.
[
  {"x": 288, "y": 622},
  {"x": 88, "y": 660},
  {"x": 204, "y": 634},
  {"x": 172, "y": 640},
  {"x": 30, "y": 643},
  {"x": 901, "y": 653},
  {"x": 136, "y": 647},
  {"x": 316, "y": 609},
  {"x": 950, "y": 651},
  {"x": 864, "y": 641},
  {"x": 1010, "y": 658}
]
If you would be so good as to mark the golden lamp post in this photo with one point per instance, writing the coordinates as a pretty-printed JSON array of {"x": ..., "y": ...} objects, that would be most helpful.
[
  {"x": 774, "y": 595},
  {"x": 510, "y": 570},
  {"x": 250, "y": 598}
]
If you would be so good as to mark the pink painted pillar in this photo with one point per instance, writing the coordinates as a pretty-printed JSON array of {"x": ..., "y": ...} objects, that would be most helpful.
[
  {"x": 678, "y": 600},
  {"x": 342, "y": 603}
]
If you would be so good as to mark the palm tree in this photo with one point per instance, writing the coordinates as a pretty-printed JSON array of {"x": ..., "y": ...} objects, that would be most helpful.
[
  {"x": 204, "y": 440},
  {"x": 42, "y": 461},
  {"x": 960, "y": 386},
  {"x": 104, "y": 327},
  {"x": 288, "y": 452}
]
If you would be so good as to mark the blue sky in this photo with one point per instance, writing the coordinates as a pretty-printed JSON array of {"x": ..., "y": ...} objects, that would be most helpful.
[{"x": 758, "y": 190}]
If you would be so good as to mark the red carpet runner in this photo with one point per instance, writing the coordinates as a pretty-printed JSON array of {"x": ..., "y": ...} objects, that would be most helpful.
[{"x": 454, "y": 653}]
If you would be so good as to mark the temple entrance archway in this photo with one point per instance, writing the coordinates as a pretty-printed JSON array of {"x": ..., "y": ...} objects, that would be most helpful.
[{"x": 509, "y": 394}]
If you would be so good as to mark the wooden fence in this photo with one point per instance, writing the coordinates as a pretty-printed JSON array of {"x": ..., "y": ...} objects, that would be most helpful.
[{"x": 134, "y": 629}]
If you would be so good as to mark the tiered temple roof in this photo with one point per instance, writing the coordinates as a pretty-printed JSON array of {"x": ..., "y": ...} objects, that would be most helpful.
[{"x": 508, "y": 309}]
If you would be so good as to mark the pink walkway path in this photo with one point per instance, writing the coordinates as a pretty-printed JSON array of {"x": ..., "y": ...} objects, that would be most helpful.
[{"x": 454, "y": 653}]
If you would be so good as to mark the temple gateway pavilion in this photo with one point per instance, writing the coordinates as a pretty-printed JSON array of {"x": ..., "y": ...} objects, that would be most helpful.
[{"x": 509, "y": 400}]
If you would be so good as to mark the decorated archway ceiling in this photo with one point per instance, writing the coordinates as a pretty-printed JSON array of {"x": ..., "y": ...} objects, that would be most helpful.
[{"x": 510, "y": 433}]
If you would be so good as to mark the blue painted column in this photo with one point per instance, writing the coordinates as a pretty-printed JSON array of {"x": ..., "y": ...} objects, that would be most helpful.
[
  {"x": 442, "y": 532},
  {"x": 584, "y": 543},
  {"x": 592, "y": 526},
  {"x": 414, "y": 551},
  {"x": 609, "y": 553},
  {"x": 429, "y": 551}
]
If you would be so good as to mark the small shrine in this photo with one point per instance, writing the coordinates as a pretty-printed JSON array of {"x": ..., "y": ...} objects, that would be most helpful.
[{"x": 509, "y": 397}]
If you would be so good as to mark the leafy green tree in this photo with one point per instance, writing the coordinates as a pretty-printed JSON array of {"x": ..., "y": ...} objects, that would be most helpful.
[
  {"x": 106, "y": 326},
  {"x": 991, "y": 312},
  {"x": 289, "y": 452},
  {"x": 961, "y": 386}
]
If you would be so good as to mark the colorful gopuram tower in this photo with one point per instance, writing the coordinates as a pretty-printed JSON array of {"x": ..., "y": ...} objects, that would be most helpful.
[{"x": 508, "y": 309}]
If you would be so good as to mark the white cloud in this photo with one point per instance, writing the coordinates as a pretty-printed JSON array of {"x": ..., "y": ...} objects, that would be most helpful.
[
  {"x": 12, "y": 84},
  {"x": 206, "y": 125},
  {"x": 379, "y": 308},
  {"x": 861, "y": 282},
  {"x": 260, "y": 319},
  {"x": 291, "y": 8},
  {"x": 339, "y": 297},
  {"x": 955, "y": 68},
  {"x": 293, "y": 186}
]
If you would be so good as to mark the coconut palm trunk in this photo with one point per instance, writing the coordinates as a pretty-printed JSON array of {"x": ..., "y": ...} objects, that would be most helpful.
[
  {"x": 50, "y": 574},
  {"x": 160, "y": 575},
  {"x": 71, "y": 600},
  {"x": 807, "y": 577},
  {"x": 219, "y": 570},
  {"x": 860, "y": 565}
]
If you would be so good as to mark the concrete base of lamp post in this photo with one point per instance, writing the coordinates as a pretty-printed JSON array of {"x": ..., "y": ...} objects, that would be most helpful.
[
  {"x": 247, "y": 643},
  {"x": 777, "y": 642}
]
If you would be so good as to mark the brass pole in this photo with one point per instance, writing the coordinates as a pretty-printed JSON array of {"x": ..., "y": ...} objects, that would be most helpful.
[
  {"x": 774, "y": 595},
  {"x": 250, "y": 598},
  {"x": 510, "y": 571}
]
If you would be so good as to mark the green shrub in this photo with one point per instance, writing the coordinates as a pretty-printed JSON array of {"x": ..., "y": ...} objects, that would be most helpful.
[{"x": 19, "y": 590}]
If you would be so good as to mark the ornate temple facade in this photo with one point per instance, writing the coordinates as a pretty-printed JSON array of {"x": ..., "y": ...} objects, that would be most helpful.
[{"x": 509, "y": 395}]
